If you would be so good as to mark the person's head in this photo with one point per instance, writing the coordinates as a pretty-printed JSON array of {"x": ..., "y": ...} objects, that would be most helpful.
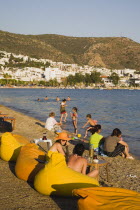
[
  {"x": 52, "y": 114},
  {"x": 88, "y": 116},
  {"x": 62, "y": 138},
  {"x": 116, "y": 132},
  {"x": 96, "y": 129},
  {"x": 64, "y": 100},
  {"x": 74, "y": 109},
  {"x": 79, "y": 149}
]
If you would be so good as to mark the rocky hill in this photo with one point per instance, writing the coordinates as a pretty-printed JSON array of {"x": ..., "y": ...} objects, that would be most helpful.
[{"x": 109, "y": 52}]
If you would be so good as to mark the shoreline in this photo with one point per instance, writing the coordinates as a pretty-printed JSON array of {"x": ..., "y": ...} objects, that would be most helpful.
[
  {"x": 42, "y": 124},
  {"x": 123, "y": 173},
  {"x": 69, "y": 88}
]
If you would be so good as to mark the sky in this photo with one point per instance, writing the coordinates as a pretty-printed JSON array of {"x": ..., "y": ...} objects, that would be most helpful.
[{"x": 80, "y": 18}]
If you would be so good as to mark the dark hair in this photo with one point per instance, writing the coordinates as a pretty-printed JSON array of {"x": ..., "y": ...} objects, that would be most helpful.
[
  {"x": 88, "y": 115},
  {"x": 75, "y": 108},
  {"x": 79, "y": 149},
  {"x": 95, "y": 129},
  {"x": 64, "y": 100},
  {"x": 116, "y": 132},
  {"x": 59, "y": 141}
]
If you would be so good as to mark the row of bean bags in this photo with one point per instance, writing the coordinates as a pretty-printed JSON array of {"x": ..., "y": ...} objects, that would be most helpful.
[
  {"x": 57, "y": 179},
  {"x": 27, "y": 164},
  {"x": 11, "y": 145},
  {"x": 107, "y": 198}
]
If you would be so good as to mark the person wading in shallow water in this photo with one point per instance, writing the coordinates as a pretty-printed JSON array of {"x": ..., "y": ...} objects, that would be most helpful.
[
  {"x": 79, "y": 163},
  {"x": 63, "y": 111}
]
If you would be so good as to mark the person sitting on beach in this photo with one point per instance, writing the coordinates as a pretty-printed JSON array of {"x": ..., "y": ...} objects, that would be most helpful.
[
  {"x": 91, "y": 122},
  {"x": 57, "y": 98},
  {"x": 114, "y": 145},
  {"x": 61, "y": 141},
  {"x": 46, "y": 98},
  {"x": 79, "y": 163},
  {"x": 52, "y": 124},
  {"x": 74, "y": 117},
  {"x": 96, "y": 137},
  {"x": 63, "y": 111},
  {"x": 68, "y": 98}
]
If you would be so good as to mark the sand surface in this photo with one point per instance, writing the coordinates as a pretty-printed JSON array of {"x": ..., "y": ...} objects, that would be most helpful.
[{"x": 18, "y": 194}]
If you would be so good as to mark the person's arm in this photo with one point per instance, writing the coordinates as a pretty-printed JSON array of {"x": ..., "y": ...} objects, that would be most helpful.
[
  {"x": 60, "y": 149},
  {"x": 85, "y": 124},
  {"x": 84, "y": 167},
  {"x": 123, "y": 143}
]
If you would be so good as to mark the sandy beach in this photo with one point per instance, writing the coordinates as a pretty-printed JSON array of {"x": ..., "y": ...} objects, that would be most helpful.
[{"x": 18, "y": 194}]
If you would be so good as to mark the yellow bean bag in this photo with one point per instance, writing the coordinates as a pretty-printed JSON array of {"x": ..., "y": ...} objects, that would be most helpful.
[
  {"x": 57, "y": 179},
  {"x": 27, "y": 164},
  {"x": 11, "y": 145},
  {"x": 107, "y": 198}
]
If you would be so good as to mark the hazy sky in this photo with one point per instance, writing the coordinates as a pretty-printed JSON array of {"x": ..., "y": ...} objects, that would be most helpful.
[{"x": 96, "y": 18}]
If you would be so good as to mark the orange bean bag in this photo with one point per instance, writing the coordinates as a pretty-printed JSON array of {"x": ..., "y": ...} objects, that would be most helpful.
[
  {"x": 107, "y": 198},
  {"x": 26, "y": 165},
  {"x": 11, "y": 145}
]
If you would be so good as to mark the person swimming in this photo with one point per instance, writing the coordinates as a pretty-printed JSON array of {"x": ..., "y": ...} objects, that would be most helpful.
[
  {"x": 46, "y": 98},
  {"x": 68, "y": 98},
  {"x": 57, "y": 98}
]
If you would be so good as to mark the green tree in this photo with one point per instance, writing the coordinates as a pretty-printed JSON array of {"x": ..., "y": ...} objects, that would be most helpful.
[{"x": 114, "y": 78}]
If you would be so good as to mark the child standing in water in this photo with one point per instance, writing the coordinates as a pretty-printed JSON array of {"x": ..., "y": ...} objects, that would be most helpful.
[
  {"x": 91, "y": 122},
  {"x": 74, "y": 117},
  {"x": 63, "y": 111}
]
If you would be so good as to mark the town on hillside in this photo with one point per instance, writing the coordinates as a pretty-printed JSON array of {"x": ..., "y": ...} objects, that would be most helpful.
[{"x": 19, "y": 69}]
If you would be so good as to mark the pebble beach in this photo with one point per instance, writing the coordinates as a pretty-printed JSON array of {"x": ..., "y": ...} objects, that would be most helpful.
[{"x": 18, "y": 194}]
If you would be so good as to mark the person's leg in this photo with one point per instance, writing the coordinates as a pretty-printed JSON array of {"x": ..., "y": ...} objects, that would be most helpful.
[
  {"x": 93, "y": 173},
  {"x": 126, "y": 152},
  {"x": 61, "y": 118},
  {"x": 75, "y": 127},
  {"x": 66, "y": 114},
  {"x": 86, "y": 133}
]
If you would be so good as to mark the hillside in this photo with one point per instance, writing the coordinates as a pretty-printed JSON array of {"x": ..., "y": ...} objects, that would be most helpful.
[{"x": 109, "y": 52}]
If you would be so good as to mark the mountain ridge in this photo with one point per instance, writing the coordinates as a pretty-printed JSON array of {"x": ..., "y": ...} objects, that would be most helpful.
[{"x": 109, "y": 52}]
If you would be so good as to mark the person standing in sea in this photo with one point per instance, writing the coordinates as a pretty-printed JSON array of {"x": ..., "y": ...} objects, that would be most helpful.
[{"x": 63, "y": 111}]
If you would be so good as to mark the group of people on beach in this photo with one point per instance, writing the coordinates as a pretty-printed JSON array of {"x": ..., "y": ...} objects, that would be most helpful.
[{"x": 110, "y": 146}]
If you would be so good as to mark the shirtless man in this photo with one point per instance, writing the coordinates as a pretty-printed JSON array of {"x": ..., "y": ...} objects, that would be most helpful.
[{"x": 79, "y": 163}]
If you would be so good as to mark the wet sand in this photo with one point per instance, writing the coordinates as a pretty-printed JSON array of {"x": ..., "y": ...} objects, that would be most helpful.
[{"x": 18, "y": 194}]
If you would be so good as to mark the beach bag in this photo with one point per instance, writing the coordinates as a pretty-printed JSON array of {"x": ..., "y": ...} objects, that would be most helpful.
[
  {"x": 57, "y": 179},
  {"x": 27, "y": 164},
  {"x": 107, "y": 198},
  {"x": 11, "y": 145}
]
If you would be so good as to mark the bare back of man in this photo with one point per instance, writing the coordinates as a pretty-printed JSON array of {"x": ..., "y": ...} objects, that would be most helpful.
[{"x": 79, "y": 164}]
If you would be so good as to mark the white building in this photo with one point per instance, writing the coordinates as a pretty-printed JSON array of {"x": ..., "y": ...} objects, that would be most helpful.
[{"x": 53, "y": 73}]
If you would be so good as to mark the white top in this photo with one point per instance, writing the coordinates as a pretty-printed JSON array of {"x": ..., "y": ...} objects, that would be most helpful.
[{"x": 50, "y": 122}]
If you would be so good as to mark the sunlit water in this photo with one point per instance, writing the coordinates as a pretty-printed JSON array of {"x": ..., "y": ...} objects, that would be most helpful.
[{"x": 112, "y": 108}]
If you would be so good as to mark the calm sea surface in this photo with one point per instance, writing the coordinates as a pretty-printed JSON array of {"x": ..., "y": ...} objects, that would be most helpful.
[{"x": 112, "y": 108}]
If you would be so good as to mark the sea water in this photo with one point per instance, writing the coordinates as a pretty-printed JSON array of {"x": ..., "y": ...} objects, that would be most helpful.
[{"x": 111, "y": 108}]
